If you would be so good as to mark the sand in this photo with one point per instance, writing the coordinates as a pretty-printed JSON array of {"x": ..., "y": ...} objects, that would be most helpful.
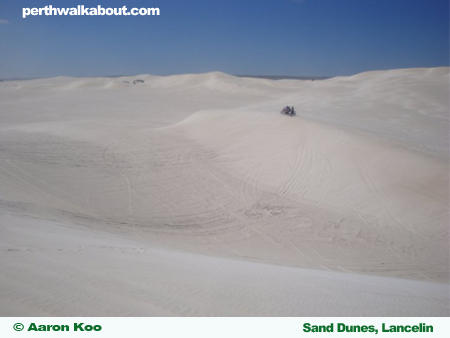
[{"x": 190, "y": 195}]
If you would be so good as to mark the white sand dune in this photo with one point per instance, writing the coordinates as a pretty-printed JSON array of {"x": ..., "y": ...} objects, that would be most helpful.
[{"x": 190, "y": 195}]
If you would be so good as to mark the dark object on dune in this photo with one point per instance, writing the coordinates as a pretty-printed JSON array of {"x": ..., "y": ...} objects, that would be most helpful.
[
  {"x": 290, "y": 111},
  {"x": 134, "y": 81}
]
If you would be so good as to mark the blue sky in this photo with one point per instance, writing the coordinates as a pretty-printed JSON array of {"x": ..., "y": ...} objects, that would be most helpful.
[{"x": 270, "y": 37}]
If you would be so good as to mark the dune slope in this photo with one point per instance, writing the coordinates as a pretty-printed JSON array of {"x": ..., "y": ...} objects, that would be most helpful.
[{"x": 191, "y": 195}]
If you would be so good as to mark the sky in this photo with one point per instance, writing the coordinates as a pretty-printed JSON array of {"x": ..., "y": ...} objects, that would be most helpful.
[{"x": 240, "y": 37}]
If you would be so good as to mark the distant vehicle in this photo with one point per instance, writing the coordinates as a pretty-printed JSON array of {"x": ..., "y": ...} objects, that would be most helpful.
[
  {"x": 290, "y": 111},
  {"x": 134, "y": 81}
]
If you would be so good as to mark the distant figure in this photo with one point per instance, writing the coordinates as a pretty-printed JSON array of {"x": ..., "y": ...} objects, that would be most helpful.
[{"x": 288, "y": 111}]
